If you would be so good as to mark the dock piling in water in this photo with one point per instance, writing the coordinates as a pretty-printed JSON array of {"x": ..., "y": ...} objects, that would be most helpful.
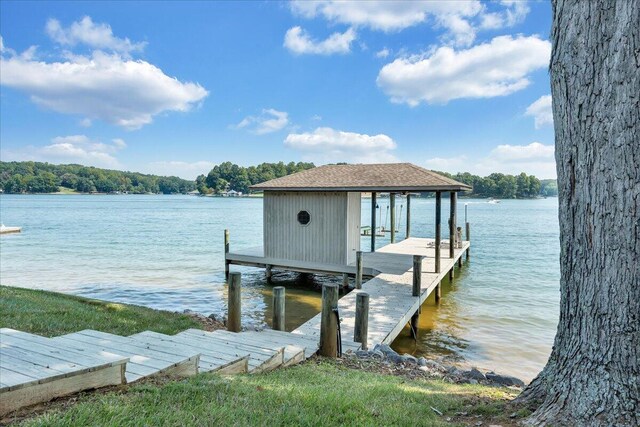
[
  {"x": 374, "y": 203},
  {"x": 361, "y": 328},
  {"x": 234, "y": 315},
  {"x": 408, "y": 232},
  {"x": 468, "y": 234},
  {"x": 453, "y": 198},
  {"x": 438, "y": 231},
  {"x": 417, "y": 275},
  {"x": 279, "y": 308},
  {"x": 392, "y": 204},
  {"x": 359, "y": 270},
  {"x": 226, "y": 251},
  {"x": 329, "y": 321}
]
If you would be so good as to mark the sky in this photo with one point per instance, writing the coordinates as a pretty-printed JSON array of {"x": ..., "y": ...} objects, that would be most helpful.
[{"x": 173, "y": 88}]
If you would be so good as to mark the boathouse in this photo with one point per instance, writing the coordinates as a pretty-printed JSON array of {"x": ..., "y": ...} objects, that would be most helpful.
[{"x": 312, "y": 219}]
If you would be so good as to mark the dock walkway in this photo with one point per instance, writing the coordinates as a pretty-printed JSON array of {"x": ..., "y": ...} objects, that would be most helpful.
[{"x": 391, "y": 303}]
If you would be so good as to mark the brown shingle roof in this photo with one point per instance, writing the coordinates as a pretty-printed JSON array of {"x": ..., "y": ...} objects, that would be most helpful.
[{"x": 364, "y": 178}]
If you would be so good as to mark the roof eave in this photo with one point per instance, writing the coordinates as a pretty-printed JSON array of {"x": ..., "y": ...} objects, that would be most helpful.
[{"x": 431, "y": 188}]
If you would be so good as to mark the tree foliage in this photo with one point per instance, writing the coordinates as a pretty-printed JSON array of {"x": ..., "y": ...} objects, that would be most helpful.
[
  {"x": 228, "y": 176},
  {"x": 36, "y": 177},
  {"x": 502, "y": 186}
]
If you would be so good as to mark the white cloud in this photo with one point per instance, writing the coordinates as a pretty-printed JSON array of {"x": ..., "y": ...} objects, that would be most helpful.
[
  {"x": 119, "y": 91},
  {"x": 97, "y": 36},
  {"x": 383, "y": 53},
  {"x": 460, "y": 19},
  {"x": 497, "y": 68},
  {"x": 329, "y": 145},
  {"x": 299, "y": 42},
  {"x": 71, "y": 149},
  {"x": 541, "y": 111},
  {"x": 185, "y": 170},
  {"x": 535, "y": 159},
  {"x": 270, "y": 120}
]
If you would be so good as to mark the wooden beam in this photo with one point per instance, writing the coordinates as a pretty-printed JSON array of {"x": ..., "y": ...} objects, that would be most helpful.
[
  {"x": 234, "y": 307},
  {"x": 361, "y": 329},
  {"x": 417, "y": 275},
  {"x": 373, "y": 221},
  {"x": 359, "y": 270},
  {"x": 226, "y": 251},
  {"x": 278, "y": 308},
  {"x": 438, "y": 233},
  {"x": 453, "y": 198},
  {"x": 329, "y": 321},
  {"x": 392, "y": 204},
  {"x": 408, "y": 233}
]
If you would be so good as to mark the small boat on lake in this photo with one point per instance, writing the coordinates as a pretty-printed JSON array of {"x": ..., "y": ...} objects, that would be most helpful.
[
  {"x": 7, "y": 230},
  {"x": 493, "y": 201}
]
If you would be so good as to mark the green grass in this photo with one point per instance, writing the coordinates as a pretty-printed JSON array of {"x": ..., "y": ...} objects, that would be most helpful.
[
  {"x": 308, "y": 394},
  {"x": 317, "y": 392},
  {"x": 50, "y": 314},
  {"x": 65, "y": 190}
]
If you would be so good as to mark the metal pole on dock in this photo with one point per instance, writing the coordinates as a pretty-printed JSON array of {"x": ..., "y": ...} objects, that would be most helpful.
[
  {"x": 453, "y": 198},
  {"x": 361, "y": 330},
  {"x": 278, "y": 308},
  {"x": 234, "y": 305},
  {"x": 438, "y": 220},
  {"x": 226, "y": 251},
  {"x": 392, "y": 203},
  {"x": 373, "y": 221},
  {"x": 408, "y": 233},
  {"x": 417, "y": 275},
  {"x": 329, "y": 321},
  {"x": 359, "y": 270}
]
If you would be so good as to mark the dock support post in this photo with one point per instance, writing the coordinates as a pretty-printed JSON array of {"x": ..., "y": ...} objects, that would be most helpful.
[
  {"x": 373, "y": 221},
  {"x": 233, "y": 316},
  {"x": 361, "y": 330},
  {"x": 268, "y": 272},
  {"x": 226, "y": 251},
  {"x": 345, "y": 280},
  {"x": 278, "y": 308},
  {"x": 413, "y": 325},
  {"x": 417, "y": 275},
  {"x": 329, "y": 321},
  {"x": 438, "y": 291},
  {"x": 468, "y": 234},
  {"x": 460, "y": 262},
  {"x": 359, "y": 270},
  {"x": 453, "y": 198},
  {"x": 408, "y": 233},
  {"x": 392, "y": 204},
  {"x": 438, "y": 236}
]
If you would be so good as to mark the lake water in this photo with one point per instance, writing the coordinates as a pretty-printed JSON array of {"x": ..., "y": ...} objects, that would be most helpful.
[{"x": 166, "y": 252}]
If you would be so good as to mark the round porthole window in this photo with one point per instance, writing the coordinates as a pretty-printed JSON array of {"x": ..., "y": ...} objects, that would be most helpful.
[{"x": 304, "y": 218}]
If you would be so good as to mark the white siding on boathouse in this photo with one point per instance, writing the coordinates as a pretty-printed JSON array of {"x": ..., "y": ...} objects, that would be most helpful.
[{"x": 332, "y": 236}]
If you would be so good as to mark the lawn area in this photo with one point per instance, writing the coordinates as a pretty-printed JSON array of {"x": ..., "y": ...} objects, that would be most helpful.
[
  {"x": 50, "y": 314},
  {"x": 316, "y": 392}
]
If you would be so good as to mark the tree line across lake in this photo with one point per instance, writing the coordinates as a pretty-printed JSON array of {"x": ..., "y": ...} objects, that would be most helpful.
[{"x": 37, "y": 177}]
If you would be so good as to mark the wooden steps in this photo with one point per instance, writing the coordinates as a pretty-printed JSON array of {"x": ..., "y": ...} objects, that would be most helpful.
[
  {"x": 144, "y": 359},
  {"x": 292, "y": 353},
  {"x": 260, "y": 359},
  {"x": 33, "y": 369},
  {"x": 212, "y": 359}
]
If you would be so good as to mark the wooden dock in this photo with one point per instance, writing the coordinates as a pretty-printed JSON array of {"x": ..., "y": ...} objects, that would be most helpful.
[{"x": 391, "y": 304}]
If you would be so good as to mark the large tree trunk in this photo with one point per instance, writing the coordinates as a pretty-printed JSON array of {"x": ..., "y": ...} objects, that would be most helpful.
[{"x": 592, "y": 376}]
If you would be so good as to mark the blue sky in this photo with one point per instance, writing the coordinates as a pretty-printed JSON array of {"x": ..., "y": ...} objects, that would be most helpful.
[{"x": 173, "y": 88}]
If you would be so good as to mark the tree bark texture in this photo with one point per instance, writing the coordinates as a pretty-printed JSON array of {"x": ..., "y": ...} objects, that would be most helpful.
[{"x": 592, "y": 376}]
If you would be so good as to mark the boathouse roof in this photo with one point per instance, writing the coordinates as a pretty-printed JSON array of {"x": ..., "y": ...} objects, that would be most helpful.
[{"x": 384, "y": 177}]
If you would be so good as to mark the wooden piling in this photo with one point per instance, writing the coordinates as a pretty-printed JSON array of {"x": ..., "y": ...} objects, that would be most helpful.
[
  {"x": 359, "y": 270},
  {"x": 453, "y": 197},
  {"x": 328, "y": 321},
  {"x": 415, "y": 319},
  {"x": 269, "y": 272},
  {"x": 468, "y": 234},
  {"x": 392, "y": 204},
  {"x": 373, "y": 221},
  {"x": 460, "y": 262},
  {"x": 345, "y": 280},
  {"x": 361, "y": 330},
  {"x": 226, "y": 251},
  {"x": 408, "y": 233},
  {"x": 278, "y": 308},
  {"x": 438, "y": 291},
  {"x": 438, "y": 231},
  {"x": 417, "y": 275},
  {"x": 234, "y": 305}
]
